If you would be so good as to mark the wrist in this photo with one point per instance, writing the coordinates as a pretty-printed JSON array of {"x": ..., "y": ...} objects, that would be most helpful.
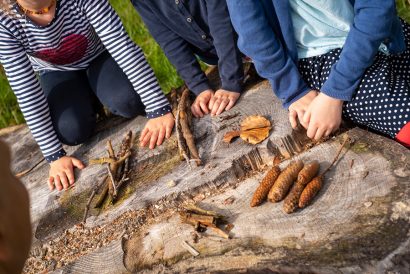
[{"x": 330, "y": 99}]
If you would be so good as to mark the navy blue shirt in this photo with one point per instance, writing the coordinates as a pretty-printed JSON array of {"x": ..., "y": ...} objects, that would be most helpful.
[{"x": 188, "y": 28}]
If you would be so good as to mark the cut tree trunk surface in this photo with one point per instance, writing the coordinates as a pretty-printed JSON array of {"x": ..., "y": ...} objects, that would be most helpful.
[{"x": 359, "y": 222}]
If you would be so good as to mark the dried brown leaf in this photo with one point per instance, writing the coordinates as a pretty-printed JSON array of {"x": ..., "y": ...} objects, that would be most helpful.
[{"x": 254, "y": 121}]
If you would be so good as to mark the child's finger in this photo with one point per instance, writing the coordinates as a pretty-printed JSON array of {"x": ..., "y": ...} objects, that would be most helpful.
[
  {"x": 146, "y": 139},
  {"x": 143, "y": 133},
  {"x": 198, "y": 110},
  {"x": 161, "y": 136},
  {"x": 194, "y": 111},
  {"x": 77, "y": 163},
  {"x": 306, "y": 117},
  {"x": 64, "y": 180},
  {"x": 168, "y": 130},
  {"x": 232, "y": 102},
  {"x": 311, "y": 131},
  {"x": 57, "y": 182},
  {"x": 212, "y": 102},
  {"x": 328, "y": 132},
  {"x": 292, "y": 118},
  {"x": 50, "y": 182},
  {"x": 300, "y": 115},
  {"x": 224, "y": 103},
  {"x": 216, "y": 105},
  {"x": 204, "y": 107},
  {"x": 319, "y": 133},
  {"x": 153, "y": 140},
  {"x": 70, "y": 176}
]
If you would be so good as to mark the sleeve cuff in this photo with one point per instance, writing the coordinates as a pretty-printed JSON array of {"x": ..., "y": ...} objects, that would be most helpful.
[
  {"x": 159, "y": 112},
  {"x": 332, "y": 92},
  {"x": 304, "y": 91},
  {"x": 232, "y": 86},
  {"x": 55, "y": 156},
  {"x": 198, "y": 88}
]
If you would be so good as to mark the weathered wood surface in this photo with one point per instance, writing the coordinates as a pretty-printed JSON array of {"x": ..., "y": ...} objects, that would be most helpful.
[{"x": 358, "y": 223}]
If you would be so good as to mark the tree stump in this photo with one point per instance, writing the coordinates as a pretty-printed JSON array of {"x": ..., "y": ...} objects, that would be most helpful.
[{"x": 360, "y": 221}]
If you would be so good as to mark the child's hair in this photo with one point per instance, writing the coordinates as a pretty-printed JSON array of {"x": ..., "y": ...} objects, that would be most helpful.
[{"x": 5, "y": 5}]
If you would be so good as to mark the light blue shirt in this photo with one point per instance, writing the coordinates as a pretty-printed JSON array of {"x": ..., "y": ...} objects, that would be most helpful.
[{"x": 320, "y": 25}]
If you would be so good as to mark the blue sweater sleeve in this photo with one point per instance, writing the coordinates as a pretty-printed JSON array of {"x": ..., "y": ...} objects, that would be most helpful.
[
  {"x": 258, "y": 40},
  {"x": 224, "y": 39},
  {"x": 175, "y": 48},
  {"x": 372, "y": 25}
]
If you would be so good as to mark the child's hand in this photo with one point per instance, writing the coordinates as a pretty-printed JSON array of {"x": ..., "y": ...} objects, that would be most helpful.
[
  {"x": 199, "y": 107},
  {"x": 298, "y": 109},
  {"x": 61, "y": 173},
  {"x": 323, "y": 116},
  {"x": 222, "y": 100},
  {"x": 156, "y": 130}
]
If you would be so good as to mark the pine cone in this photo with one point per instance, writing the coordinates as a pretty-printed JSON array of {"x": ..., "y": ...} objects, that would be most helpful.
[
  {"x": 310, "y": 191},
  {"x": 263, "y": 189},
  {"x": 285, "y": 181}
]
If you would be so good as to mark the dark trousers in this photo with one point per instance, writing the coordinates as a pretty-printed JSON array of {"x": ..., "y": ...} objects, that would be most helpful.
[{"x": 74, "y": 97}]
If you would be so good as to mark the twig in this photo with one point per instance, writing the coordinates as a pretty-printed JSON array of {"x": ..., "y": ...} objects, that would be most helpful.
[
  {"x": 189, "y": 248},
  {"x": 100, "y": 161},
  {"x": 219, "y": 231},
  {"x": 198, "y": 210},
  {"x": 346, "y": 138},
  {"x": 87, "y": 206},
  {"x": 186, "y": 131},
  {"x": 110, "y": 150},
  {"x": 181, "y": 143},
  {"x": 21, "y": 174},
  {"x": 112, "y": 178},
  {"x": 103, "y": 193}
]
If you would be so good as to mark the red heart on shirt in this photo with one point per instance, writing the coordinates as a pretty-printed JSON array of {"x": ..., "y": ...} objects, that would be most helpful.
[{"x": 71, "y": 49}]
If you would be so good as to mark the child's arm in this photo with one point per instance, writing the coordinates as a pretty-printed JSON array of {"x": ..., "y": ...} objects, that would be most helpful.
[
  {"x": 230, "y": 59},
  {"x": 34, "y": 107},
  {"x": 372, "y": 25},
  {"x": 30, "y": 96},
  {"x": 175, "y": 48},
  {"x": 127, "y": 54},
  {"x": 258, "y": 41}
]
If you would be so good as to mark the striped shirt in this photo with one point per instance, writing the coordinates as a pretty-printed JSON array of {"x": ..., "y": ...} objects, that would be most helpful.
[{"x": 79, "y": 32}]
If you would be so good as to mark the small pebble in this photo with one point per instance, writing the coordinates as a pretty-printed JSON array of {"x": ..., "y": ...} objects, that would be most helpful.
[
  {"x": 171, "y": 183},
  {"x": 368, "y": 204}
]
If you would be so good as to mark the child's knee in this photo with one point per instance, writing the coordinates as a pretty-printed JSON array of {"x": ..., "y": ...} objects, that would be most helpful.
[
  {"x": 73, "y": 130},
  {"x": 126, "y": 107}
]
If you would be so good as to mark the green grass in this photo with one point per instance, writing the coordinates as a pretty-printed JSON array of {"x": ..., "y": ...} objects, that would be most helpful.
[{"x": 165, "y": 72}]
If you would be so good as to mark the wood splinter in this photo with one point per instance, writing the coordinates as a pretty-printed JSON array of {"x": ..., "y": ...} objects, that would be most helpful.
[{"x": 202, "y": 219}]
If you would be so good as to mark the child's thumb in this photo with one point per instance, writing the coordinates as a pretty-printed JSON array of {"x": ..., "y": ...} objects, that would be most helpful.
[{"x": 77, "y": 163}]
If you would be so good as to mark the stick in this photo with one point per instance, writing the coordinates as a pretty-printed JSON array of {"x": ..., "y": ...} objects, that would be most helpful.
[
  {"x": 181, "y": 143},
  {"x": 196, "y": 209},
  {"x": 104, "y": 193},
  {"x": 194, "y": 219},
  {"x": 189, "y": 248},
  {"x": 219, "y": 231},
  {"x": 186, "y": 131},
  {"x": 114, "y": 189},
  {"x": 110, "y": 150},
  {"x": 21, "y": 174},
  {"x": 122, "y": 180},
  {"x": 346, "y": 138},
  {"x": 87, "y": 206},
  {"x": 100, "y": 161}
]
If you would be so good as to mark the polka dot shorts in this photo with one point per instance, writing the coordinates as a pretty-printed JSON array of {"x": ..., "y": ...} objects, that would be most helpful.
[{"x": 382, "y": 99}]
